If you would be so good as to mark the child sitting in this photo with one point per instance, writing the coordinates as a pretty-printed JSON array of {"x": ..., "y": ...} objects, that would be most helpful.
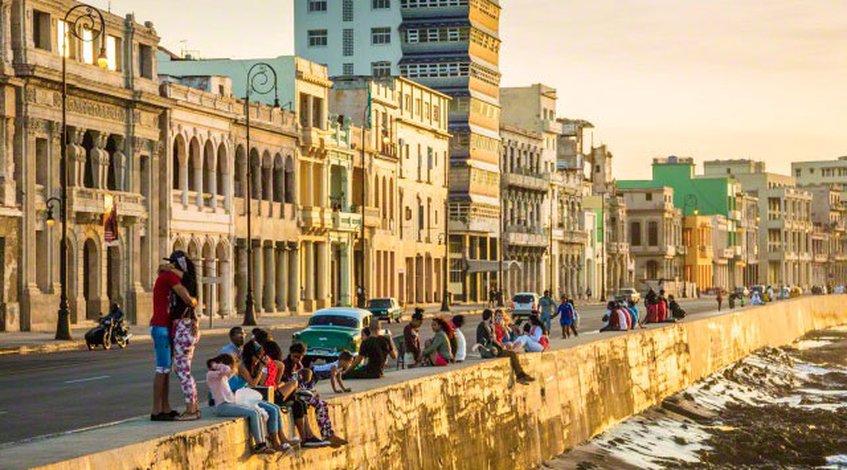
[{"x": 332, "y": 371}]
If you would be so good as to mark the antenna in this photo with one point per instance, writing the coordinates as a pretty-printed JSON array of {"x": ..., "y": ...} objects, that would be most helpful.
[{"x": 182, "y": 44}]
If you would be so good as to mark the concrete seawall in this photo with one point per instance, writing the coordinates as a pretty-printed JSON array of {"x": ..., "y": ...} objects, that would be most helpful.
[{"x": 473, "y": 417}]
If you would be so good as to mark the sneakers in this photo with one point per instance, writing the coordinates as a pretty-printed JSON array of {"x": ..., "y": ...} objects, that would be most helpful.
[{"x": 314, "y": 442}]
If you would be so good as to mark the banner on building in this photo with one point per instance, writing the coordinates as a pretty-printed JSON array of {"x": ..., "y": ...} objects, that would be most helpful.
[{"x": 110, "y": 223}]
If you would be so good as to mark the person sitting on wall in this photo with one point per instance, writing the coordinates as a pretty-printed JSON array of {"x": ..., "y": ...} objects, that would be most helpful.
[
  {"x": 677, "y": 313},
  {"x": 377, "y": 348},
  {"x": 438, "y": 351},
  {"x": 614, "y": 320}
]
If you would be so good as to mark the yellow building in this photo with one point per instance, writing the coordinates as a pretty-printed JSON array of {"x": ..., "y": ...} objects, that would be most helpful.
[{"x": 698, "y": 239}]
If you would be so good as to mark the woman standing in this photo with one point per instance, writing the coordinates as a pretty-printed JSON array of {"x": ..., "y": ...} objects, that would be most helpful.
[{"x": 186, "y": 334}]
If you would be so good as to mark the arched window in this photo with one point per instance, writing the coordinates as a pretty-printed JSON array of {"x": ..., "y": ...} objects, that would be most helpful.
[
  {"x": 221, "y": 171},
  {"x": 289, "y": 180},
  {"x": 209, "y": 158},
  {"x": 194, "y": 167},
  {"x": 279, "y": 179},
  {"x": 240, "y": 172},
  {"x": 178, "y": 158}
]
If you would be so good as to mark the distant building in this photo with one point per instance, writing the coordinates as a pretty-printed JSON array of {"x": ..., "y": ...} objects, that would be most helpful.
[
  {"x": 821, "y": 172},
  {"x": 655, "y": 234},
  {"x": 785, "y": 236}
]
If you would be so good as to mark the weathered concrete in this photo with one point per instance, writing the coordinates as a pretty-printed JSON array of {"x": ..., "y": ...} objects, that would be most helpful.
[{"x": 472, "y": 416}]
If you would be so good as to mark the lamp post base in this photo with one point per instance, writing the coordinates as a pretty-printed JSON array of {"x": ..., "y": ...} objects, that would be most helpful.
[
  {"x": 445, "y": 305},
  {"x": 63, "y": 325},
  {"x": 249, "y": 313}
]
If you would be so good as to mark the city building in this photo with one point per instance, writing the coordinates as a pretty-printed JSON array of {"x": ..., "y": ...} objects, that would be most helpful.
[
  {"x": 829, "y": 241},
  {"x": 655, "y": 237},
  {"x": 525, "y": 189},
  {"x": 114, "y": 150},
  {"x": 698, "y": 238},
  {"x": 749, "y": 237},
  {"x": 714, "y": 193},
  {"x": 451, "y": 46},
  {"x": 534, "y": 107},
  {"x": 785, "y": 234},
  {"x": 291, "y": 219},
  {"x": 406, "y": 167},
  {"x": 353, "y": 37},
  {"x": 830, "y": 172}
]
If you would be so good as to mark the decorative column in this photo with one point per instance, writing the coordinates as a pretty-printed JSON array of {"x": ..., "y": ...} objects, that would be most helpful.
[
  {"x": 309, "y": 273},
  {"x": 269, "y": 294},
  {"x": 323, "y": 276},
  {"x": 258, "y": 270},
  {"x": 345, "y": 286},
  {"x": 281, "y": 277},
  {"x": 294, "y": 278}
]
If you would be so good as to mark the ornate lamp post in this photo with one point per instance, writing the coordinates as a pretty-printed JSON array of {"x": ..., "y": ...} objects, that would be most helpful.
[
  {"x": 445, "y": 271},
  {"x": 85, "y": 19},
  {"x": 261, "y": 80}
]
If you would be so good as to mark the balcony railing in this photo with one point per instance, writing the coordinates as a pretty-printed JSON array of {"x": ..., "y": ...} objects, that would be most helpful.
[
  {"x": 529, "y": 181},
  {"x": 346, "y": 221}
]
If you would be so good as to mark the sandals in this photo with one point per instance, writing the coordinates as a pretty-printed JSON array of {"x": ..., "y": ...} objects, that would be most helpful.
[
  {"x": 186, "y": 416},
  {"x": 263, "y": 449}
]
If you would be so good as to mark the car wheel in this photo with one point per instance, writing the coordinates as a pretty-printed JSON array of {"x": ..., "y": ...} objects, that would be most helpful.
[{"x": 107, "y": 342}]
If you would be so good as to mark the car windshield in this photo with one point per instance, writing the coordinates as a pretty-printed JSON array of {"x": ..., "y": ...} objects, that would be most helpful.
[
  {"x": 523, "y": 298},
  {"x": 627, "y": 291},
  {"x": 334, "y": 320},
  {"x": 379, "y": 303}
]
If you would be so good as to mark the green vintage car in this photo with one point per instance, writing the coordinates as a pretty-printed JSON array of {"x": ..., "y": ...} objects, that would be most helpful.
[
  {"x": 386, "y": 309},
  {"x": 332, "y": 330}
]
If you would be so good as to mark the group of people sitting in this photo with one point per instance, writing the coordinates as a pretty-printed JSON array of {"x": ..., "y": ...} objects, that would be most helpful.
[
  {"x": 284, "y": 385},
  {"x": 622, "y": 316}
]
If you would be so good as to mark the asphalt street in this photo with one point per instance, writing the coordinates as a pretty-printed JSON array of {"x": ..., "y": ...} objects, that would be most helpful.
[{"x": 43, "y": 394}]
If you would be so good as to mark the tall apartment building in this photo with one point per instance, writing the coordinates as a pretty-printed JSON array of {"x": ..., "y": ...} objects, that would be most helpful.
[
  {"x": 785, "y": 244},
  {"x": 655, "y": 234},
  {"x": 453, "y": 47},
  {"x": 829, "y": 216}
]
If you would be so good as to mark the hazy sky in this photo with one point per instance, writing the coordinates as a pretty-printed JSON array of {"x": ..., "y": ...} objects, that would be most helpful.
[{"x": 763, "y": 79}]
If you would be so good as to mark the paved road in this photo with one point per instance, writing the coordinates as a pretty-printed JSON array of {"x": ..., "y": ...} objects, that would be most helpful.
[{"x": 50, "y": 393}]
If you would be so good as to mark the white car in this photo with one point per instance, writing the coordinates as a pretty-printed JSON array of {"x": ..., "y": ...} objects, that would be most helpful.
[
  {"x": 628, "y": 293},
  {"x": 524, "y": 303}
]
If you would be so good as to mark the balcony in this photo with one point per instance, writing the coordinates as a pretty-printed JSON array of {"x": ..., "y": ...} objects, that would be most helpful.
[
  {"x": 93, "y": 201},
  {"x": 681, "y": 249},
  {"x": 311, "y": 136},
  {"x": 315, "y": 218},
  {"x": 533, "y": 182},
  {"x": 552, "y": 126},
  {"x": 705, "y": 251},
  {"x": 527, "y": 237},
  {"x": 575, "y": 236},
  {"x": 821, "y": 258},
  {"x": 734, "y": 215},
  {"x": 619, "y": 248},
  {"x": 346, "y": 221}
]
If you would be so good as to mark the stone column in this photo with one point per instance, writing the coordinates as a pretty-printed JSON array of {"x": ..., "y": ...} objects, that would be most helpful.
[
  {"x": 309, "y": 273},
  {"x": 323, "y": 275},
  {"x": 281, "y": 277},
  {"x": 225, "y": 284},
  {"x": 322, "y": 186},
  {"x": 269, "y": 295},
  {"x": 294, "y": 280},
  {"x": 258, "y": 278},
  {"x": 240, "y": 275},
  {"x": 345, "y": 285}
]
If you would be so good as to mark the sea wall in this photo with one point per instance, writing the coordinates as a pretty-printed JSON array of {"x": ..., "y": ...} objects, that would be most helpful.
[{"x": 474, "y": 417}]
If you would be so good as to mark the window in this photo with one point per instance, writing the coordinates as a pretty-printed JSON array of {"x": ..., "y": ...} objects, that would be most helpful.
[
  {"x": 317, "y": 38},
  {"x": 635, "y": 233},
  {"x": 347, "y": 43},
  {"x": 347, "y": 69},
  {"x": 412, "y": 36},
  {"x": 145, "y": 61},
  {"x": 347, "y": 10},
  {"x": 317, "y": 5},
  {"x": 648, "y": 196},
  {"x": 380, "y": 36},
  {"x": 381, "y": 69},
  {"x": 88, "y": 46},
  {"x": 41, "y": 30},
  {"x": 113, "y": 52},
  {"x": 653, "y": 234},
  {"x": 380, "y": 4}
]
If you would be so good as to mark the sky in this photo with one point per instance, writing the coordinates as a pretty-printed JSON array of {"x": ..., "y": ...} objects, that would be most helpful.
[{"x": 761, "y": 79}]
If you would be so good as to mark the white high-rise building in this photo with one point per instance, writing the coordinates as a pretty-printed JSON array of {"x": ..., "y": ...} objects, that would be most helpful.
[{"x": 351, "y": 37}]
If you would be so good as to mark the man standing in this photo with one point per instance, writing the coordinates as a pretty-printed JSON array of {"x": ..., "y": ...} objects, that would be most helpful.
[
  {"x": 412, "y": 336},
  {"x": 236, "y": 341},
  {"x": 167, "y": 283},
  {"x": 720, "y": 298},
  {"x": 546, "y": 305},
  {"x": 376, "y": 348}
]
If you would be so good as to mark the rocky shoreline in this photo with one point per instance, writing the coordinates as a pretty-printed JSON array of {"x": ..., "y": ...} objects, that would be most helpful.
[{"x": 779, "y": 408}]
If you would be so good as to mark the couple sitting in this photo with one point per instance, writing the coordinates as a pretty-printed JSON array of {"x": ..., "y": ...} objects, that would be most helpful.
[
  {"x": 492, "y": 340},
  {"x": 448, "y": 344}
]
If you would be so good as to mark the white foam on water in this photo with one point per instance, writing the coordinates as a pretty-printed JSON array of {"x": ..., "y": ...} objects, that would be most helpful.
[{"x": 811, "y": 344}]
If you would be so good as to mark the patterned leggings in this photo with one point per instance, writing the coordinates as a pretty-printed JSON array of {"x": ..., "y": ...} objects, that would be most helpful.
[
  {"x": 322, "y": 416},
  {"x": 184, "y": 343}
]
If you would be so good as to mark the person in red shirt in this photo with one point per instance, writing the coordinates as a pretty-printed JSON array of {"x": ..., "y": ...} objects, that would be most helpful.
[{"x": 168, "y": 284}]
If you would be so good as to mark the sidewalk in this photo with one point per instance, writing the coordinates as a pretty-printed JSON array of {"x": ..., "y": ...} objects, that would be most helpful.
[{"x": 26, "y": 342}]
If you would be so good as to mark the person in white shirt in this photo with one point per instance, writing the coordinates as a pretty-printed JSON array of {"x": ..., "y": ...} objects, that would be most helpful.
[
  {"x": 461, "y": 345},
  {"x": 526, "y": 342}
]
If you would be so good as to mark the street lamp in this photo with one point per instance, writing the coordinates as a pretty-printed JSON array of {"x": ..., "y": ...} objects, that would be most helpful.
[
  {"x": 445, "y": 296},
  {"x": 690, "y": 201},
  {"x": 261, "y": 80},
  {"x": 86, "y": 18}
]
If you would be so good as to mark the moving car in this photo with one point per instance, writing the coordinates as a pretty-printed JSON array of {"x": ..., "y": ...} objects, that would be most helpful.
[
  {"x": 626, "y": 294},
  {"x": 333, "y": 330},
  {"x": 386, "y": 309},
  {"x": 523, "y": 304}
]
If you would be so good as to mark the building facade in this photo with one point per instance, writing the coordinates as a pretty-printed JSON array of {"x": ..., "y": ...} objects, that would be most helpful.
[
  {"x": 114, "y": 151},
  {"x": 452, "y": 47},
  {"x": 655, "y": 235},
  {"x": 785, "y": 234}
]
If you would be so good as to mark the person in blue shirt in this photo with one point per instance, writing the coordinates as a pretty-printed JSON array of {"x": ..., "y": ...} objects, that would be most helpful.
[
  {"x": 567, "y": 317},
  {"x": 636, "y": 317}
]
